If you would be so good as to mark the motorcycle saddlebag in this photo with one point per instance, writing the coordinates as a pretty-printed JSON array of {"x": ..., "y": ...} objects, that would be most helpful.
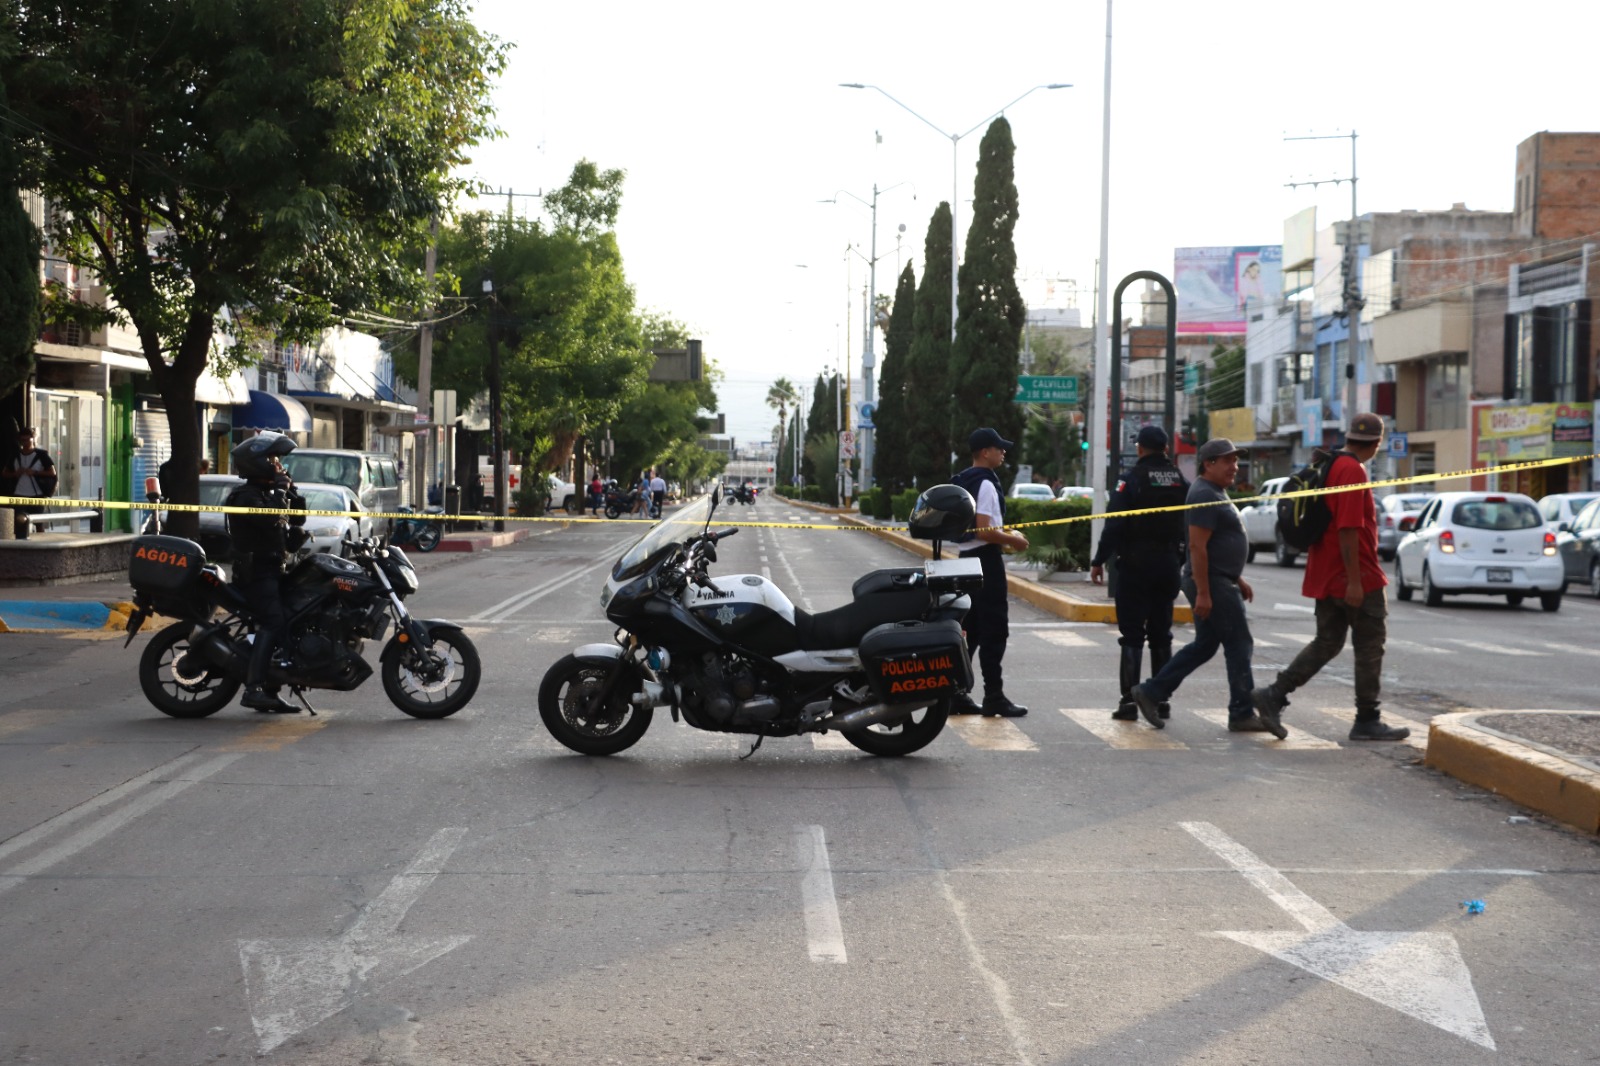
[
  {"x": 915, "y": 662},
  {"x": 167, "y": 572}
]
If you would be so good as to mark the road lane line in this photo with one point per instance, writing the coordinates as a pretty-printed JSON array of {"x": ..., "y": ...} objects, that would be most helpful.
[
  {"x": 97, "y": 831},
  {"x": 508, "y": 607},
  {"x": 824, "y": 933},
  {"x": 1496, "y": 649},
  {"x": 1062, "y": 638},
  {"x": 991, "y": 734},
  {"x": 1127, "y": 736}
]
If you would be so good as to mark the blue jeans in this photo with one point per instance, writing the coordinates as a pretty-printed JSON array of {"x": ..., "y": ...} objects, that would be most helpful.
[{"x": 1226, "y": 628}]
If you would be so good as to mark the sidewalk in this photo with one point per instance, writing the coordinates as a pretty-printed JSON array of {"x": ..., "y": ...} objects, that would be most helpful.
[{"x": 1545, "y": 760}]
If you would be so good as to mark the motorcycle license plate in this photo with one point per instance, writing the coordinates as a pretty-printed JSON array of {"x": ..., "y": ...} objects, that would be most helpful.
[{"x": 1500, "y": 573}]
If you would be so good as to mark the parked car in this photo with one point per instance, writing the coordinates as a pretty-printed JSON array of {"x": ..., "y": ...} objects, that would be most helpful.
[
  {"x": 1579, "y": 547},
  {"x": 330, "y": 534},
  {"x": 1482, "y": 543},
  {"x": 1397, "y": 516},
  {"x": 372, "y": 476},
  {"x": 1074, "y": 492},
  {"x": 214, "y": 539},
  {"x": 1030, "y": 490},
  {"x": 1260, "y": 522},
  {"x": 1561, "y": 508}
]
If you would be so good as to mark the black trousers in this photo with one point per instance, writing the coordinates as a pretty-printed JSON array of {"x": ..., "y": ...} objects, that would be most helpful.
[
  {"x": 988, "y": 624},
  {"x": 264, "y": 594},
  {"x": 1147, "y": 587}
]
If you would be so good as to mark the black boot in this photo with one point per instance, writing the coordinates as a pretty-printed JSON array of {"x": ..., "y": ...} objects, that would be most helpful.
[
  {"x": 961, "y": 703},
  {"x": 1132, "y": 661},
  {"x": 996, "y": 705},
  {"x": 1158, "y": 659},
  {"x": 258, "y": 698}
]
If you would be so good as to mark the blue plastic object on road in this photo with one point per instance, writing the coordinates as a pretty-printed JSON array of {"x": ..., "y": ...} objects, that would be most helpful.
[
  {"x": 1472, "y": 906},
  {"x": 45, "y": 614}
]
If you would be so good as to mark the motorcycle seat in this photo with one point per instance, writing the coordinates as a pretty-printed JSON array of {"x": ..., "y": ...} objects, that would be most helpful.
[{"x": 843, "y": 627}]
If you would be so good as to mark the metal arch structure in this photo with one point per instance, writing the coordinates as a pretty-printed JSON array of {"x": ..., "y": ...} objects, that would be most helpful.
[{"x": 1114, "y": 452}]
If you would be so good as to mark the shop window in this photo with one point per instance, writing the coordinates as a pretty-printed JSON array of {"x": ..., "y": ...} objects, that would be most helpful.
[{"x": 1444, "y": 393}]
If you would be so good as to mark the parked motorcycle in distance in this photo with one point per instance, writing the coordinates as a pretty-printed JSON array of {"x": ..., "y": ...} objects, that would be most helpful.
[
  {"x": 418, "y": 530},
  {"x": 194, "y": 667},
  {"x": 736, "y": 656},
  {"x": 620, "y": 502},
  {"x": 743, "y": 494}
]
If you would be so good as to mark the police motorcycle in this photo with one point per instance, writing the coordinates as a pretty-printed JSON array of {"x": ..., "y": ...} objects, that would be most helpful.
[
  {"x": 194, "y": 667},
  {"x": 744, "y": 494},
  {"x": 734, "y": 655}
]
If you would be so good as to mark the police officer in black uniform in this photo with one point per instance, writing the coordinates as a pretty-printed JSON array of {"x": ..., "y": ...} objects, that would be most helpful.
[
  {"x": 261, "y": 544},
  {"x": 1148, "y": 553}
]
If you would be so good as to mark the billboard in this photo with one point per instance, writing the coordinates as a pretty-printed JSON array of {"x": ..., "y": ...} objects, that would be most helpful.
[
  {"x": 1219, "y": 288},
  {"x": 1535, "y": 431}
]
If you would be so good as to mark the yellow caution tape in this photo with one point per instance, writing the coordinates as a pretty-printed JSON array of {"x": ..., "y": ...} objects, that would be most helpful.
[{"x": 434, "y": 516}]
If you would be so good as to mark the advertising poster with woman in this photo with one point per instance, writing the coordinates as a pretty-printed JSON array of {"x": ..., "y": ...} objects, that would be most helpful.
[{"x": 1220, "y": 288}]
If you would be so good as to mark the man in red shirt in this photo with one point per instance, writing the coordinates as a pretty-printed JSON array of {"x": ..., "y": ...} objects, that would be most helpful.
[{"x": 1345, "y": 580}]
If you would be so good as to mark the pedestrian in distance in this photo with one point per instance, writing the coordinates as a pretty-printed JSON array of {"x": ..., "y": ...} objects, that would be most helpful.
[
  {"x": 1214, "y": 584},
  {"x": 988, "y": 623},
  {"x": 1148, "y": 550},
  {"x": 1347, "y": 585},
  {"x": 31, "y": 473},
  {"x": 658, "y": 493}
]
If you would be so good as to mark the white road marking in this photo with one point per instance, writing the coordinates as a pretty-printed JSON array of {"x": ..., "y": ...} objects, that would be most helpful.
[
  {"x": 1412, "y": 645},
  {"x": 1573, "y": 649},
  {"x": 1266, "y": 644},
  {"x": 1496, "y": 649},
  {"x": 766, "y": 572},
  {"x": 294, "y": 984},
  {"x": 1297, "y": 740},
  {"x": 991, "y": 734},
  {"x": 824, "y": 933},
  {"x": 510, "y": 606},
  {"x": 1419, "y": 974},
  {"x": 179, "y": 778},
  {"x": 1300, "y": 608},
  {"x": 1128, "y": 736},
  {"x": 1419, "y": 730},
  {"x": 833, "y": 740},
  {"x": 799, "y": 595},
  {"x": 1062, "y": 638}
]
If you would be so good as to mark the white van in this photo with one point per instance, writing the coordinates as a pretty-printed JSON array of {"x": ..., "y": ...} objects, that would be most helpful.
[{"x": 372, "y": 476}]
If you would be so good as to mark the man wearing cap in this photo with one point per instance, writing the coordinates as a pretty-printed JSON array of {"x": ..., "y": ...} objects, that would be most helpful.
[
  {"x": 1344, "y": 579},
  {"x": 1213, "y": 582},
  {"x": 1148, "y": 551},
  {"x": 988, "y": 623}
]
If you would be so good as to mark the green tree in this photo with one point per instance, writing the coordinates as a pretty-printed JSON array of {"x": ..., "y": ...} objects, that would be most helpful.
[
  {"x": 891, "y": 465},
  {"x": 276, "y": 159},
  {"x": 927, "y": 373},
  {"x": 821, "y": 420},
  {"x": 983, "y": 362},
  {"x": 781, "y": 397},
  {"x": 19, "y": 269}
]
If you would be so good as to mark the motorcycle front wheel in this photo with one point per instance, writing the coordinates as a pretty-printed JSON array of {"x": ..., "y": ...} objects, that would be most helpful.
[
  {"x": 433, "y": 682},
  {"x": 612, "y": 511},
  {"x": 564, "y": 698},
  {"x": 911, "y": 732},
  {"x": 428, "y": 538},
  {"x": 176, "y": 686}
]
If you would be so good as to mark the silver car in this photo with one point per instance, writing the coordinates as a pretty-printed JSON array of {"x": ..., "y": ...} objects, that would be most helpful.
[
  {"x": 327, "y": 534},
  {"x": 1397, "y": 516}
]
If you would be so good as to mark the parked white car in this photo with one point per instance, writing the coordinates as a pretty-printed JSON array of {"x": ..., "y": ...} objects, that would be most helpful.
[
  {"x": 330, "y": 534},
  {"x": 1031, "y": 491},
  {"x": 1397, "y": 516},
  {"x": 1075, "y": 492},
  {"x": 1482, "y": 543},
  {"x": 1261, "y": 524},
  {"x": 1560, "y": 509}
]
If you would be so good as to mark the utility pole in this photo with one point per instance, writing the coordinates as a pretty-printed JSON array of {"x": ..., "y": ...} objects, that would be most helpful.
[
  {"x": 496, "y": 432},
  {"x": 1353, "y": 300},
  {"x": 425, "y": 371}
]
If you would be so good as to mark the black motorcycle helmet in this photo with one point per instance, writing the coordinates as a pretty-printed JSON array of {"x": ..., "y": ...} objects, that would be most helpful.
[
  {"x": 944, "y": 512},
  {"x": 251, "y": 456}
]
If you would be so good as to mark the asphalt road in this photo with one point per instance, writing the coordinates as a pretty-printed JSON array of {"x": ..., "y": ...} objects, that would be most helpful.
[{"x": 362, "y": 887}]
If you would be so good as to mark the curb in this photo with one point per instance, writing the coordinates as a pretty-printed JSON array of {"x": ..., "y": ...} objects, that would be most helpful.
[
  {"x": 1530, "y": 774},
  {"x": 1046, "y": 599},
  {"x": 471, "y": 542}
]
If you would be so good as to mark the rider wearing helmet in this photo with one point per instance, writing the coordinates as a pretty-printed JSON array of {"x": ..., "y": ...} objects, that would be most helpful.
[{"x": 261, "y": 543}]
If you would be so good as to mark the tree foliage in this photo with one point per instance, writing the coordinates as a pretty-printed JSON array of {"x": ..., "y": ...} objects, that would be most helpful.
[
  {"x": 983, "y": 362},
  {"x": 661, "y": 425},
  {"x": 891, "y": 465},
  {"x": 273, "y": 158},
  {"x": 19, "y": 269},
  {"x": 784, "y": 398},
  {"x": 927, "y": 374}
]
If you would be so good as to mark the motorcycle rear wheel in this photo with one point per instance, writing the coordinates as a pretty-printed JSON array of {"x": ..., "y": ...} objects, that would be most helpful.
[
  {"x": 563, "y": 705},
  {"x": 901, "y": 736},
  {"x": 428, "y": 538},
  {"x": 612, "y": 511},
  {"x": 205, "y": 693},
  {"x": 437, "y": 692}
]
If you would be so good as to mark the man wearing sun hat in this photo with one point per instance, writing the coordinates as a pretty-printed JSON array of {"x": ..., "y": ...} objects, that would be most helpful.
[{"x": 1346, "y": 583}]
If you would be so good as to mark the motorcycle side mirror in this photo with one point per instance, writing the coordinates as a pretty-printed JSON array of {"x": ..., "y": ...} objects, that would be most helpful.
[{"x": 716, "y": 496}]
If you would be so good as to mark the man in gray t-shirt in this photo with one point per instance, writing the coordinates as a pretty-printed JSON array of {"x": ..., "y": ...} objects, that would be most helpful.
[{"x": 1213, "y": 581}]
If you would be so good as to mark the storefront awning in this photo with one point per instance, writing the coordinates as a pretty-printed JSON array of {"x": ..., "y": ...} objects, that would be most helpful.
[{"x": 271, "y": 410}]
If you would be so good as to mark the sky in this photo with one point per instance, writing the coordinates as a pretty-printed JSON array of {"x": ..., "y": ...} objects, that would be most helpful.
[{"x": 732, "y": 127}]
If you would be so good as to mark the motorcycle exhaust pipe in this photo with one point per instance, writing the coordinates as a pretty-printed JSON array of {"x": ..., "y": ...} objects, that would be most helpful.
[{"x": 865, "y": 716}]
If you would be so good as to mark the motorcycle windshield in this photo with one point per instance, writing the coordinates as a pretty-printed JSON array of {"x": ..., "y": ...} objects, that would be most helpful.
[{"x": 675, "y": 528}]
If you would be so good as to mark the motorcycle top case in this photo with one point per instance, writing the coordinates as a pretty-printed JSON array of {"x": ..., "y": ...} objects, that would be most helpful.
[
  {"x": 169, "y": 572},
  {"x": 913, "y": 662}
]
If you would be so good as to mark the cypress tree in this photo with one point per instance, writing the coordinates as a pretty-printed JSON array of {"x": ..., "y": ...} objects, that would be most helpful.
[
  {"x": 891, "y": 467},
  {"x": 19, "y": 272},
  {"x": 927, "y": 376},
  {"x": 983, "y": 362}
]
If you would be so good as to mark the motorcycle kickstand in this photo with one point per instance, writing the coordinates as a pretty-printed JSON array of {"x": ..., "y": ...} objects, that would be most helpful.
[
  {"x": 300, "y": 694},
  {"x": 759, "y": 738}
]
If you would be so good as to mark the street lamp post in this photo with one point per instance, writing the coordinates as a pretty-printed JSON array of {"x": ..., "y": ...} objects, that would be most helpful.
[{"x": 955, "y": 173}]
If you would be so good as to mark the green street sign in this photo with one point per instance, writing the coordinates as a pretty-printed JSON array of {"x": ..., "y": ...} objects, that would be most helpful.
[
  {"x": 1035, "y": 389},
  {"x": 1191, "y": 378}
]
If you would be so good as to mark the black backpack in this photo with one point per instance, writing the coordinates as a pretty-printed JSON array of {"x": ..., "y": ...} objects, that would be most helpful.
[{"x": 1304, "y": 519}]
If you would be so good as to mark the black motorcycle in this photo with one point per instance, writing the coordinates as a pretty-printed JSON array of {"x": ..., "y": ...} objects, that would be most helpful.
[
  {"x": 422, "y": 531},
  {"x": 735, "y": 656},
  {"x": 743, "y": 494},
  {"x": 333, "y": 605}
]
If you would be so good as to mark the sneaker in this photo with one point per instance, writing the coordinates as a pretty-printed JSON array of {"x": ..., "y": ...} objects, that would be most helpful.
[
  {"x": 1126, "y": 712},
  {"x": 1000, "y": 707},
  {"x": 1253, "y": 724},
  {"x": 1148, "y": 707},
  {"x": 1269, "y": 708},
  {"x": 961, "y": 703},
  {"x": 1377, "y": 730}
]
